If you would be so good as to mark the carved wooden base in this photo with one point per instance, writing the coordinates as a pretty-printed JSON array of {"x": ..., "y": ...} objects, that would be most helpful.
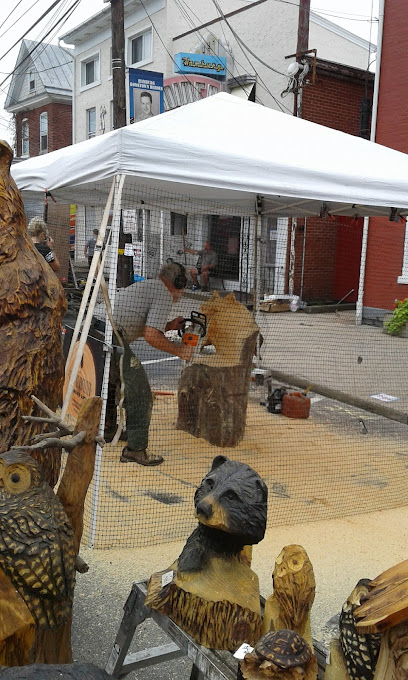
[
  {"x": 336, "y": 669},
  {"x": 219, "y": 608}
]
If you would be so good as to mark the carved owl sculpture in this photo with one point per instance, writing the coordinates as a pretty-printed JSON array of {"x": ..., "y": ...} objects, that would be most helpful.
[
  {"x": 36, "y": 541},
  {"x": 32, "y": 305},
  {"x": 294, "y": 585}
]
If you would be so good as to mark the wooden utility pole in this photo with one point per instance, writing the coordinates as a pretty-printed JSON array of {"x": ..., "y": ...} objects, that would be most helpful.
[{"x": 118, "y": 64}]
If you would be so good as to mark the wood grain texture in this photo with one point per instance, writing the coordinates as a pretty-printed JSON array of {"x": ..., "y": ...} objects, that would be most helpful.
[
  {"x": 32, "y": 305},
  {"x": 387, "y": 601},
  {"x": 213, "y": 390}
]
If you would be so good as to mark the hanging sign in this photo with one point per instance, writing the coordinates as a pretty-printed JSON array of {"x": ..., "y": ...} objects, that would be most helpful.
[
  {"x": 205, "y": 64},
  {"x": 145, "y": 94}
]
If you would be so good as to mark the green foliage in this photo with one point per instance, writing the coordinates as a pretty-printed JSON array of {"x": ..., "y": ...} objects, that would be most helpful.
[{"x": 399, "y": 317}]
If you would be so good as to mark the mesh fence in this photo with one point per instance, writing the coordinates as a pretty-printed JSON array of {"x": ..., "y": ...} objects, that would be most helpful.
[{"x": 347, "y": 457}]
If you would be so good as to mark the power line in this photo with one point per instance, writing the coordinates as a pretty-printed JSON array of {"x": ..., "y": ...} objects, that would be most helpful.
[
  {"x": 281, "y": 106},
  {"x": 56, "y": 2},
  {"x": 54, "y": 27},
  {"x": 13, "y": 10},
  {"x": 197, "y": 30}
]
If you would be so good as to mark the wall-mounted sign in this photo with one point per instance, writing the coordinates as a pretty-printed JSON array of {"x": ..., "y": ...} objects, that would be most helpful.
[
  {"x": 145, "y": 94},
  {"x": 180, "y": 90},
  {"x": 186, "y": 62}
]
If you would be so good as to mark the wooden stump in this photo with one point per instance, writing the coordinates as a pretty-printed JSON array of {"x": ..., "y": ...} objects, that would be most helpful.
[{"x": 213, "y": 390}]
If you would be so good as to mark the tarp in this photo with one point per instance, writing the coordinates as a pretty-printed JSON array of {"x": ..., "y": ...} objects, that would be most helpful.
[{"x": 228, "y": 150}]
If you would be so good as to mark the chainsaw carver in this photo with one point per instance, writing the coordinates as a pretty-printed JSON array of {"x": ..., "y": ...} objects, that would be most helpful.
[{"x": 142, "y": 310}]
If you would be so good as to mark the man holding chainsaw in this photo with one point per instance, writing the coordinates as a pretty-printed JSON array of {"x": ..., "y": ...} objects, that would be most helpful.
[{"x": 142, "y": 310}]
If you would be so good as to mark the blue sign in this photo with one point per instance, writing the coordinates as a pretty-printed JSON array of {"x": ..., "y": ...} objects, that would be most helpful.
[
  {"x": 145, "y": 94},
  {"x": 205, "y": 64}
]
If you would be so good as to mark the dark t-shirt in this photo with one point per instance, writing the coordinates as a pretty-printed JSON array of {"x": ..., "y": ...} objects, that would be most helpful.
[{"x": 45, "y": 251}]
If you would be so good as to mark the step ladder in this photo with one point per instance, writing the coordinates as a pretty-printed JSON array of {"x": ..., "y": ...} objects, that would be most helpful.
[{"x": 207, "y": 663}]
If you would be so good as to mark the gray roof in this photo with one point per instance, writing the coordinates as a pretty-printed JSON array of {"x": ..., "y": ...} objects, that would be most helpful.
[{"x": 52, "y": 64}]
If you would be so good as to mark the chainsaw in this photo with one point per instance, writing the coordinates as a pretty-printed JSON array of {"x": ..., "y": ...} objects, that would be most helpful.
[{"x": 194, "y": 332}]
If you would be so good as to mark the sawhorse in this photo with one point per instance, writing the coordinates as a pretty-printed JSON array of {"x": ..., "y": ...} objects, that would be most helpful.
[{"x": 207, "y": 663}]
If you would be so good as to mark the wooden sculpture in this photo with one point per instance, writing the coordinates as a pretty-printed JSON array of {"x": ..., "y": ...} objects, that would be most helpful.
[
  {"x": 40, "y": 534},
  {"x": 213, "y": 390},
  {"x": 354, "y": 655},
  {"x": 293, "y": 593},
  {"x": 32, "y": 305},
  {"x": 36, "y": 543},
  {"x": 279, "y": 655},
  {"x": 77, "y": 671},
  {"x": 212, "y": 593},
  {"x": 385, "y": 610}
]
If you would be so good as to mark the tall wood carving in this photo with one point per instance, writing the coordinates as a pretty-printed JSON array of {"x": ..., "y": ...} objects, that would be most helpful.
[
  {"x": 293, "y": 593},
  {"x": 40, "y": 533},
  {"x": 210, "y": 591},
  {"x": 213, "y": 390},
  {"x": 32, "y": 305}
]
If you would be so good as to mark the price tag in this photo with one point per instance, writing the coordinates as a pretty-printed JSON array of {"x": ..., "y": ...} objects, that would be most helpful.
[
  {"x": 114, "y": 655},
  {"x": 167, "y": 578},
  {"x": 243, "y": 650}
]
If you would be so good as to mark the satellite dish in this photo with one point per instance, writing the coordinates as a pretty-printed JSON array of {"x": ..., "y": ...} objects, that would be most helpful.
[{"x": 293, "y": 69}]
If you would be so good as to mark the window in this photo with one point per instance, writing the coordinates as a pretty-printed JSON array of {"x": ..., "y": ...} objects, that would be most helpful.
[
  {"x": 140, "y": 48},
  {"x": 25, "y": 138},
  {"x": 44, "y": 133},
  {"x": 90, "y": 123},
  {"x": 90, "y": 71},
  {"x": 178, "y": 224},
  {"x": 32, "y": 81}
]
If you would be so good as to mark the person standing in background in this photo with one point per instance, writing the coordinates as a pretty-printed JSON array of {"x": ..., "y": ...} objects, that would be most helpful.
[
  {"x": 90, "y": 246},
  {"x": 43, "y": 242}
]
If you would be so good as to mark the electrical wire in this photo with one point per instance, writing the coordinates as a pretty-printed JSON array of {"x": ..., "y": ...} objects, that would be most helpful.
[
  {"x": 55, "y": 27},
  {"x": 184, "y": 13},
  {"x": 170, "y": 55},
  {"x": 277, "y": 102},
  {"x": 13, "y": 10}
]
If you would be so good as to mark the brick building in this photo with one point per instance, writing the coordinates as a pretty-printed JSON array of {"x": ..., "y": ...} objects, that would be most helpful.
[
  {"x": 328, "y": 249},
  {"x": 386, "y": 272},
  {"x": 40, "y": 97}
]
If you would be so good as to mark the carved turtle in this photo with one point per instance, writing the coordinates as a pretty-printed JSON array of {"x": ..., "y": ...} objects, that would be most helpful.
[{"x": 280, "y": 650}]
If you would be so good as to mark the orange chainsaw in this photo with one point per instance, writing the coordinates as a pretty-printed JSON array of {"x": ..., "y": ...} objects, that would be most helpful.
[{"x": 194, "y": 331}]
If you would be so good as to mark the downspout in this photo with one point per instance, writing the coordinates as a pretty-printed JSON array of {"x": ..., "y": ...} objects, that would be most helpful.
[
  {"x": 359, "y": 305},
  {"x": 73, "y": 87}
]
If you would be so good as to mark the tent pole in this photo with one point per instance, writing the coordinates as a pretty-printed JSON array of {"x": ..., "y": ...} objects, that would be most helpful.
[
  {"x": 292, "y": 256},
  {"x": 144, "y": 231},
  {"x": 113, "y": 267},
  {"x": 91, "y": 274},
  {"x": 88, "y": 319},
  {"x": 161, "y": 238}
]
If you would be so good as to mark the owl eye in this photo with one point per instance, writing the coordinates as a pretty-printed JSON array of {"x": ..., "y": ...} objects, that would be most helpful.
[{"x": 15, "y": 477}]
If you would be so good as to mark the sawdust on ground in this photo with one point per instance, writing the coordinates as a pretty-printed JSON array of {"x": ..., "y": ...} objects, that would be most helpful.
[{"x": 313, "y": 471}]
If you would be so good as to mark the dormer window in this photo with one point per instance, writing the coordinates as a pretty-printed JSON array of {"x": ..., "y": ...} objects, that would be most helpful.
[{"x": 32, "y": 81}]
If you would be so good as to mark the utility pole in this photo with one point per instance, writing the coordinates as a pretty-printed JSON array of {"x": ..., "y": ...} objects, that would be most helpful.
[
  {"x": 118, "y": 64},
  {"x": 301, "y": 48}
]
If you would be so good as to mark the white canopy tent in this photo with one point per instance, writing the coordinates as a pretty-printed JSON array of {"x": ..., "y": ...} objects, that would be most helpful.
[{"x": 228, "y": 150}]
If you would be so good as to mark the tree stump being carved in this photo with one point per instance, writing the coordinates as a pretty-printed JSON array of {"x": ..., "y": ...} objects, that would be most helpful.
[
  {"x": 32, "y": 305},
  {"x": 213, "y": 390}
]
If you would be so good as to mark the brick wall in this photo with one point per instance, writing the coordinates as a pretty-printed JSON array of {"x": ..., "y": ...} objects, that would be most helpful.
[
  {"x": 386, "y": 239},
  {"x": 59, "y": 127},
  {"x": 333, "y": 101}
]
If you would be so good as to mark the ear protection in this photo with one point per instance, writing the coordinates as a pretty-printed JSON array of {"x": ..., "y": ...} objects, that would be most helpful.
[{"x": 180, "y": 280}]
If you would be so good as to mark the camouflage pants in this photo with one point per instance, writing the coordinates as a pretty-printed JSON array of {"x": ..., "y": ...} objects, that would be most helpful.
[{"x": 138, "y": 400}]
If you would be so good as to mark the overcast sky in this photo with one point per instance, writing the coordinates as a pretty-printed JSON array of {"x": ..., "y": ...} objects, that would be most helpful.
[{"x": 17, "y": 16}]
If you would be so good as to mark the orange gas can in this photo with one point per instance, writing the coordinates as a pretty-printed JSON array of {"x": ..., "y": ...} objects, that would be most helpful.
[{"x": 295, "y": 405}]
